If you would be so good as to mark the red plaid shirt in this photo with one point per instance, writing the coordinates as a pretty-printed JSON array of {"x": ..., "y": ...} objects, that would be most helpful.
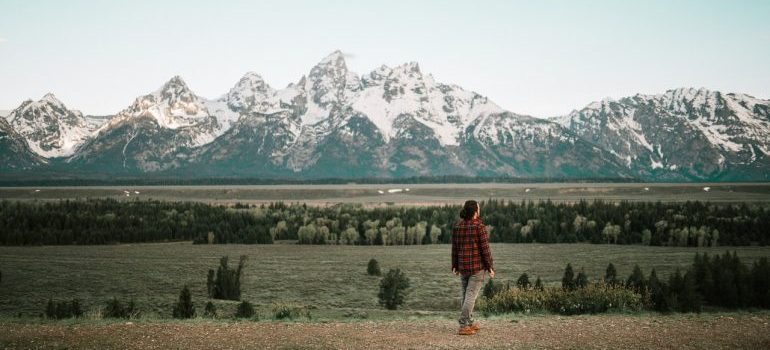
[{"x": 470, "y": 247}]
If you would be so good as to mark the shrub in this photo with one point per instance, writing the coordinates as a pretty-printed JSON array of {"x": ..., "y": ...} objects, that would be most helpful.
[
  {"x": 227, "y": 282},
  {"x": 184, "y": 308},
  {"x": 115, "y": 309},
  {"x": 63, "y": 309},
  {"x": 290, "y": 311},
  {"x": 593, "y": 298},
  {"x": 210, "y": 310},
  {"x": 373, "y": 268},
  {"x": 245, "y": 310},
  {"x": 523, "y": 281},
  {"x": 393, "y": 289}
]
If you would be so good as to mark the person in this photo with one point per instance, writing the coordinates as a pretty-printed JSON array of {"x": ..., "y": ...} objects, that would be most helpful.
[{"x": 471, "y": 260}]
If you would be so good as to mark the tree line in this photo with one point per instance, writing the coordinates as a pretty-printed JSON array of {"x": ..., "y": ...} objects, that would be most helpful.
[{"x": 107, "y": 221}]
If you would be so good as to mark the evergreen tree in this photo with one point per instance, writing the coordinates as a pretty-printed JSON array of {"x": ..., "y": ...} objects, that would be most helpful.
[
  {"x": 523, "y": 281},
  {"x": 689, "y": 298},
  {"x": 581, "y": 281},
  {"x": 373, "y": 268},
  {"x": 636, "y": 280},
  {"x": 227, "y": 283},
  {"x": 658, "y": 293},
  {"x": 491, "y": 289},
  {"x": 210, "y": 310},
  {"x": 760, "y": 276},
  {"x": 50, "y": 309},
  {"x": 538, "y": 284},
  {"x": 184, "y": 308},
  {"x": 210, "y": 283},
  {"x": 393, "y": 289},
  {"x": 245, "y": 310},
  {"x": 568, "y": 280},
  {"x": 611, "y": 275}
]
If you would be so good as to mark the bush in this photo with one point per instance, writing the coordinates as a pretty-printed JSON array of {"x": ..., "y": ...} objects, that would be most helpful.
[
  {"x": 393, "y": 289},
  {"x": 184, "y": 308},
  {"x": 210, "y": 310},
  {"x": 115, "y": 309},
  {"x": 227, "y": 283},
  {"x": 594, "y": 298},
  {"x": 523, "y": 281},
  {"x": 373, "y": 268},
  {"x": 245, "y": 310},
  {"x": 290, "y": 311},
  {"x": 63, "y": 309}
]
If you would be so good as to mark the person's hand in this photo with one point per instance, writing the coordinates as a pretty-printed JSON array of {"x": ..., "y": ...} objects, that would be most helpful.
[
  {"x": 454, "y": 271},
  {"x": 491, "y": 273}
]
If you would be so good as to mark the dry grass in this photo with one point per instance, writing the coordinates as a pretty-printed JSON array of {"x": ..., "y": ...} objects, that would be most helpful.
[{"x": 418, "y": 194}]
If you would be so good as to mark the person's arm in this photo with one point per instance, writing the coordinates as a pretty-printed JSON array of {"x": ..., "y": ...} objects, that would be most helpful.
[
  {"x": 486, "y": 255},
  {"x": 455, "y": 264}
]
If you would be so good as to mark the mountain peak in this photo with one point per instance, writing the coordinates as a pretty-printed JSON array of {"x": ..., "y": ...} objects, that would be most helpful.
[
  {"x": 175, "y": 81},
  {"x": 50, "y": 97},
  {"x": 174, "y": 89},
  {"x": 335, "y": 56},
  {"x": 333, "y": 64},
  {"x": 253, "y": 81}
]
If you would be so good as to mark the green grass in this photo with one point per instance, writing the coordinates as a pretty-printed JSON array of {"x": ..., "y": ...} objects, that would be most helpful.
[{"x": 331, "y": 280}]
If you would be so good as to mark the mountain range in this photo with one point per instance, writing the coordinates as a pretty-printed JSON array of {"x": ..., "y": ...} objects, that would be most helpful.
[{"x": 393, "y": 122}]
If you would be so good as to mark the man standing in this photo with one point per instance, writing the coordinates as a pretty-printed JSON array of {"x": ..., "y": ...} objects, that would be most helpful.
[{"x": 471, "y": 259}]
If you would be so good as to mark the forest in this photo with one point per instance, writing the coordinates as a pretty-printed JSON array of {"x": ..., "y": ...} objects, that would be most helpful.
[{"x": 110, "y": 221}]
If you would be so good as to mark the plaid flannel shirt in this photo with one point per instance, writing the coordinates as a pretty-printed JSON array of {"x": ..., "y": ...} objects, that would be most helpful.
[{"x": 470, "y": 247}]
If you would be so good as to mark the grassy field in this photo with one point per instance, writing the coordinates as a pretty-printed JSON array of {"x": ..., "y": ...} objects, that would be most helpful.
[
  {"x": 331, "y": 280},
  {"x": 413, "y": 194}
]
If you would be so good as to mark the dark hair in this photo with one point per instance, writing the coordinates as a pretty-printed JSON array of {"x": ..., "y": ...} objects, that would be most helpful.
[{"x": 470, "y": 208}]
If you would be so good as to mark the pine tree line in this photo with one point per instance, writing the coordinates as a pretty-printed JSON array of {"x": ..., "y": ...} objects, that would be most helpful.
[{"x": 104, "y": 221}]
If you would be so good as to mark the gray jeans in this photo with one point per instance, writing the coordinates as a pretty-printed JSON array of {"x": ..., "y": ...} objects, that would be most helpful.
[{"x": 471, "y": 286}]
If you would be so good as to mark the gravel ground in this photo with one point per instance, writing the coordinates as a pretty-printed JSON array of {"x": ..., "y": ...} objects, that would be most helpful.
[{"x": 705, "y": 331}]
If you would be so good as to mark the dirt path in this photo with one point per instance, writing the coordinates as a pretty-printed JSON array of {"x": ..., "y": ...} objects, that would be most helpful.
[{"x": 739, "y": 331}]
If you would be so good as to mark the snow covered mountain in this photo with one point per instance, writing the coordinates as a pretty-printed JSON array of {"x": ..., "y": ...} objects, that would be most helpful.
[
  {"x": 15, "y": 154},
  {"x": 392, "y": 122},
  {"x": 50, "y": 129},
  {"x": 682, "y": 134}
]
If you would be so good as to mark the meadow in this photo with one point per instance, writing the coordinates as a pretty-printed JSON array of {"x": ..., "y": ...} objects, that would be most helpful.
[
  {"x": 331, "y": 280},
  {"x": 408, "y": 194}
]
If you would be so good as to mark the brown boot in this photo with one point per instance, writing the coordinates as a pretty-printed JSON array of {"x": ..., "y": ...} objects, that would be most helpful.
[
  {"x": 475, "y": 327},
  {"x": 467, "y": 330}
]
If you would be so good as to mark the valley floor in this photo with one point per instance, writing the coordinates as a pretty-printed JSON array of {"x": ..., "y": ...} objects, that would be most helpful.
[{"x": 735, "y": 330}]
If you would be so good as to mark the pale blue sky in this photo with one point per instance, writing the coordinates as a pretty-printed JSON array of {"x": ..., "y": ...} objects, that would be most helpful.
[{"x": 542, "y": 58}]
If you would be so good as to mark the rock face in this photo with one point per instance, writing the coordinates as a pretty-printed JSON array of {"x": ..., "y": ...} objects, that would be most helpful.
[
  {"x": 391, "y": 122},
  {"x": 682, "y": 134}
]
